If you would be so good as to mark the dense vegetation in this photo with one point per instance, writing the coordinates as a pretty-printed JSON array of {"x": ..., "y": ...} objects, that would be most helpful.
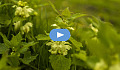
[{"x": 24, "y": 35}]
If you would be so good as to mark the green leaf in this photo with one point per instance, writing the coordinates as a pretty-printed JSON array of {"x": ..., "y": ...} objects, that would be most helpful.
[
  {"x": 4, "y": 64},
  {"x": 76, "y": 44},
  {"x": 16, "y": 19},
  {"x": 59, "y": 62},
  {"x": 13, "y": 61},
  {"x": 3, "y": 18},
  {"x": 16, "y": 40},
  {"x": 5, "y": 4},
  {"x": 26, "y": 46},
  {"x": 14, "y": 43},
  {"x": 3, "y": 48},
  {"x": 28, "y": 58},
  {"x": 44, "y": 4},
  {"x": 66, "y": 12},
  {"x": 63, "y": 25},
  {"x": 59, "y": 20},
  {"x": 42, "y": 37},
  {"x": 7, "y": 22},
  {"x": 95, "y": 21},
  {"x": 78, "y": 62},
  {"x": 77, "y": 15},
  {"x": 6, "y": 41}
]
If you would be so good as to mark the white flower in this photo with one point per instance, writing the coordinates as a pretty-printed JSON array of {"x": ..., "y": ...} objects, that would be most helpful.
[
  {"x": 58, "y": 47},
  {"x": 18, "y": 11},
  {"x": 54, "y": 25},
  {"x": 14, "y": 6},
  {"x": 26, "y": 27},
  {"x": 71, "y": 28},
  {"x": 57, "y": 27},
  {"x": 23, "y": 11},
  {"x": 100, "y": 65},
  {"x": 17, "y": 25},
  {"x": 93, "y": 28},
  {"x": 27, "y": 11},
  {"x": 29, "y": 24}
]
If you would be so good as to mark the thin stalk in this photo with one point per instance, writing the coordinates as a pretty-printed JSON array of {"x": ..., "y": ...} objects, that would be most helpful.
[
  {"x": 32, "y": 66},
  {"x": 39, "y": 50},
  {"x": 9, "y": 30},
  {"x": 75, "y": 67},
  {"x": 46, "y": 18}
]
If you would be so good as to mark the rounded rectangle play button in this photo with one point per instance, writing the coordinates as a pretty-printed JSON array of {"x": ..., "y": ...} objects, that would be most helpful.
[{"x": 59, "y": 34}]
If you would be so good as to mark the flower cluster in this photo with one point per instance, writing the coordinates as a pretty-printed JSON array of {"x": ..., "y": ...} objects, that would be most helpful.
[
  {"x": 58, "y": 47},
  {"x": 26, "y": 27},
  {"x": 23, "y": 11}
]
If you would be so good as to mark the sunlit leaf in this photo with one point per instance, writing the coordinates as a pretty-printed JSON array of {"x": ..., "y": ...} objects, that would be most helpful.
[
  {"x": 76, "y": 44},
  {"x": 66, "y": 12},
  {"x": 6, "y": 41},
  {"x": 16, "y": 40},
  {"x": 77, "y": 15},
  {"x": 42, "y": 37},
  {"x": 59, "y": 62}
]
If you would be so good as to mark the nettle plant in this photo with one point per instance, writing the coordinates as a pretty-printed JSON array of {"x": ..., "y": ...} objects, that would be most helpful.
[
  {"x": 22, "y": 14},
  {"x": 93, "y": 44},
  {"x": 16, "y": 50}
]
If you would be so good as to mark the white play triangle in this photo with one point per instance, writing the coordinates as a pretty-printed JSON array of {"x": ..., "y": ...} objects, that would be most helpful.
[{"x": 59, "y": 34}]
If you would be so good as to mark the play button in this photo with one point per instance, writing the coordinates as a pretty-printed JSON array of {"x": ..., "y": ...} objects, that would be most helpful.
[{"x": 59, "y": 34}]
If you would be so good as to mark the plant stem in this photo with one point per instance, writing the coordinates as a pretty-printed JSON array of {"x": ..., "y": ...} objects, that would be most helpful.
[{"x": 32, "y": 67}]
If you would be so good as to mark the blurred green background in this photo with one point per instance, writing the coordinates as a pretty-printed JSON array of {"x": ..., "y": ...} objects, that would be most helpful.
[{"x": 106, "y": 10}]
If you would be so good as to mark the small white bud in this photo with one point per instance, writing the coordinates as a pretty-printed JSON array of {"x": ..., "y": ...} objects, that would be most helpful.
[
  {"x": 71, "y": 28},
  {"x": 54, "y": 25}
]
